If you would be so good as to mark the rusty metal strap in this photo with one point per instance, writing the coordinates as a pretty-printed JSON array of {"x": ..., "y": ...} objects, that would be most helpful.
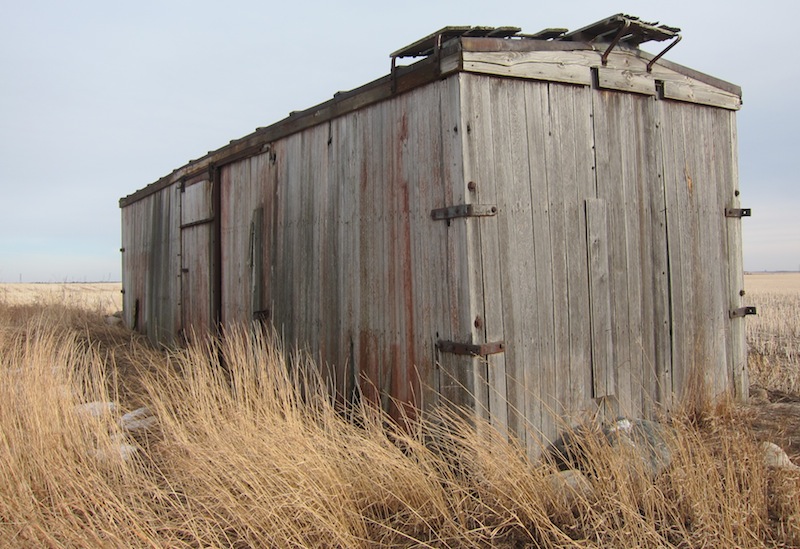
[
  {"x": 482, "y": 349},
  {"x": 738, "y": 212},
  {"x": 742, "y": 311},
  {"x": 464, "y": 210}
]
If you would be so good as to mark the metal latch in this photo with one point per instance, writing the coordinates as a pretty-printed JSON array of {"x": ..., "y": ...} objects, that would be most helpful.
[
  {"x": 482, "y": 349},
  {"x": 742, "y": 311},
  {"x": 464, "y": 210},
  {"x": 737, "y": 212}
]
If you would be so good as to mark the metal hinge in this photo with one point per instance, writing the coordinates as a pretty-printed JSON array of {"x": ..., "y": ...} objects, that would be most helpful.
[
  {"x": 742, "y": 311},
  {"x": 482, "y": 349},
  {"x": 737, "y": 212},
  {"x": 464, "y": 210}
]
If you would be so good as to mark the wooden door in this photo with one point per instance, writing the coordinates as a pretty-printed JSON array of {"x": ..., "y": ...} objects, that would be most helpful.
[{"x": 197, "y": 257}]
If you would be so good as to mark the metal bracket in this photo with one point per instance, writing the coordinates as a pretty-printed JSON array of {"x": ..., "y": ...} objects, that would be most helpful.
[
  {"x": 737, "y": 212},
  {"x": 623, "y": 29},
  {"x": 741, "y": 312},
  {"x": 464, "y": 210},
  {"x": 674, "y": 43},
  {"x": 482, "y": 349}
]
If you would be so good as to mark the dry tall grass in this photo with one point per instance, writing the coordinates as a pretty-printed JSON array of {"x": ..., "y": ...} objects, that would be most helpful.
[
  {"x": 250, "y": 452},
  {"x": 773, "y": 335}
]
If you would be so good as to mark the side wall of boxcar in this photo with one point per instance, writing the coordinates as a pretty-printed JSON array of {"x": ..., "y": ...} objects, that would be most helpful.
[{"x": 328, "y": 234}]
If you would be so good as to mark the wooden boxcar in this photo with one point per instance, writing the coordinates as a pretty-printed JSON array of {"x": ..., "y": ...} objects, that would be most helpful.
[{"x": 537, "y": 227}]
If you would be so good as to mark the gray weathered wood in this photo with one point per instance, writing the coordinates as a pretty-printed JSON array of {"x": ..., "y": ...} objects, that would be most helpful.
[
  {"x": 540, "y": 65},
  {"x": 603, "y": 370},
  {"x": 515, "y": 224},
  {"x": 626, "y": 80},
  {"x": 196, "y": 279},
  {"x": 541, "y": 402},
  {"x": 486, "y": 171},
  {"x": 696, "y": 92},
  {"x": 737, "y": 353}
]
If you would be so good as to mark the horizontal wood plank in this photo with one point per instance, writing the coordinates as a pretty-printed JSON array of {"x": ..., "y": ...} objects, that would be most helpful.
[
  {"x": 552, "y": 66},
  {"x": 695, "y": 92},
  {"x": 625, "y": 80}
]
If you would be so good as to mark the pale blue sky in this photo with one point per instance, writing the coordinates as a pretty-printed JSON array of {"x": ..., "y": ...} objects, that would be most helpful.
[{"x": 98, "y": 99}]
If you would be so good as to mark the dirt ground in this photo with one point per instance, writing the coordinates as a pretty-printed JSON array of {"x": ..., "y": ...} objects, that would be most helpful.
[{"x": 775, "y": 417}]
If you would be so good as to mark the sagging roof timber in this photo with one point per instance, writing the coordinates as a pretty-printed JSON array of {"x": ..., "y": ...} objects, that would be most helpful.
[{"x": 442, "y": 54}]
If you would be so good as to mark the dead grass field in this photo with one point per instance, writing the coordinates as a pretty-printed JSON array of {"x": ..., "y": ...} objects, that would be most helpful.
[
  {"x": 247, "y": 451},
  {"x": 773, "y": 335},
  {"x": 105, "y": 297},
  {"x": 786, "y": 282}
]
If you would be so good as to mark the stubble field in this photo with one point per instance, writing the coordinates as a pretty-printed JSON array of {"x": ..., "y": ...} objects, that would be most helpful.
[{"x": 237, "y": 449}]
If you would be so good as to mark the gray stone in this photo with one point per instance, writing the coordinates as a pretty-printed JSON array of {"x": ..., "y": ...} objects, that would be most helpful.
[
  {"x": 758, "y": 395},
  {"x": 97, "y": 409},
  {"x": 570, "y": 486},
  {"x": 775, "y": 456},
  {"x": 646, "y": 440},
  {"x": 112, "y": 320},
  {"x": 137, "y": 420},
  {"x": 118, "y": 451}
]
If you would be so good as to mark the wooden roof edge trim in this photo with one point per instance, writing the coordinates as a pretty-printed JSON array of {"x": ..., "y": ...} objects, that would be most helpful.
[
  {"x": 481, "y": 44},
  {"x": 723, "y": 85},
  {"x": 477, "y": 44}
]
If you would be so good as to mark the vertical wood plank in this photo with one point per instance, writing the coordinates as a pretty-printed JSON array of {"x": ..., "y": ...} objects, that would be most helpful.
[
  {"x": 486, "y": 115},
  {"x": 737, "y": 354},
  {"x": 604, "y": 382},
  {"x": 560, "y": 150},
  {"x": 456, "y": 373},
  {"x": 540, "y": 396},
  {"x": 571, "y": 167},
  {"x": 352, "y": 127},
  {"x": 514, "y": 161},
  {"x": 612, "y": 142}
]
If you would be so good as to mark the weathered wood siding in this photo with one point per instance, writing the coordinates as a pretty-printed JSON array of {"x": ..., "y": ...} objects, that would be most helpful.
[
  {"x": 704, "y": 247},
  {"x": 595, "y": 190},
  {"x": 197, "y": 256},
  {"x": 151, "y": 264},
  {"x": 529, "y": 150},
  {"x": 331, "y": 229}
]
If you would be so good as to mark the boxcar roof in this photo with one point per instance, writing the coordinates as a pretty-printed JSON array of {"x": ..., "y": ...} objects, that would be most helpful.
[{"x": 620, "y": 31}]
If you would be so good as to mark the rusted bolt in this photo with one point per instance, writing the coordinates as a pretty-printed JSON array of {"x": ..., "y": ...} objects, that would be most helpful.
[
  {"x": 494, "y": 209},
  {"x": 736, "y": 192},
  {"x": 478, "y": 322},
  {"x": 472, "y": 186},
  {"x": 741, "y": 293}
]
